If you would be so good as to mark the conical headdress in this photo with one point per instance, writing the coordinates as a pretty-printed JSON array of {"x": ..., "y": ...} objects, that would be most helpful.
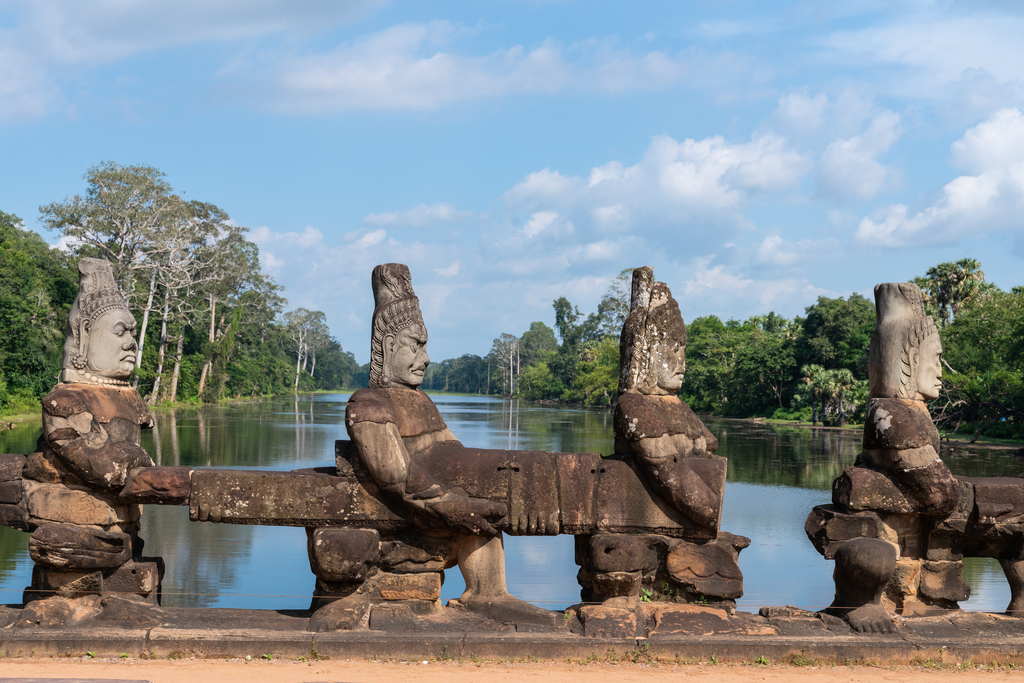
[
  {"x": 395, "y": 308},
  {"x": 901, "y": 325},
  {"x": 97, "y": 294},
  {"x": 653, "y": 318}
]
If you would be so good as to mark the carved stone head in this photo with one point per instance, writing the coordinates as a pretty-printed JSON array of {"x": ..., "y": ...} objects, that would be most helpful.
[
  {"x": 398, "y": 341},
  {"x": 100, "y": 346},
  {"x": 905, "y": 356},
  {"x": 652, "y": 347}
]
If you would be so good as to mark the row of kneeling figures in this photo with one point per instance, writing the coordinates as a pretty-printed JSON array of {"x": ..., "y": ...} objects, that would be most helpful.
[{"x": 407, "y": 500}]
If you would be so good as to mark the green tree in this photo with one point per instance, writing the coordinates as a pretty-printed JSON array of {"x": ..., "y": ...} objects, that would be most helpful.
[
  {"x": 764, "y": 372},
  {"x": 949, "y": 286},
  {"x": 836, "y": 334}
]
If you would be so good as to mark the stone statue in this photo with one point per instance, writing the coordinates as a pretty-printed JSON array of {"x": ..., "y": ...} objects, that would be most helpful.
[
  {"x": 84, "y": 537},
  {"x": 900, "y": 457},
  {"x": 392, "y": 421},
  {"x": 905, "y": 371},
  {"x": 673, "y": 449}
]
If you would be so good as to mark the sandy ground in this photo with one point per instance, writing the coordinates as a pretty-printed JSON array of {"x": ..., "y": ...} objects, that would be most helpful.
[{"x": 281, "y": 671}]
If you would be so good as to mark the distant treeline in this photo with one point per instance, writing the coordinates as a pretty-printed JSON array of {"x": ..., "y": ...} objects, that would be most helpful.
[
  {"x": 811, "y": 367},
  {"x": 212, "y": 324}
]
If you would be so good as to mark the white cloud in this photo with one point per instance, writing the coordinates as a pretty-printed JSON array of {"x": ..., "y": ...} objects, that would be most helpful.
[
  {"x": 450, "y": 271},
  {"x": 47, "y": 40},
  {"x": 991, "y": 199},
  {"x": 849, "y": 169},
  {"x": 538, "y": 222},
  {"x": 418, "y": 216},
  {"x": 370, "y": 239},
  {"x": 675, "y": 183},
  {"x": 935, "y": 48},
  {"x": 423, "y": 66},
  {"x": 306, "y": 239}
]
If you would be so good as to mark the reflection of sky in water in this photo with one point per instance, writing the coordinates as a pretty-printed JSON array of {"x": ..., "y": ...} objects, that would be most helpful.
[{"x": 775, "y": 478}]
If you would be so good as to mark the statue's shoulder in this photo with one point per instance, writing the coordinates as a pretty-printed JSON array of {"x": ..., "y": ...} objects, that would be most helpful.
[
  {"x": 898, "y": 423},
  {"x": 104, "y": 403},
  {"x": 637, "y": 418},
  {"x": 410, "y": 409},
  {"x": 369, "y": 405}
]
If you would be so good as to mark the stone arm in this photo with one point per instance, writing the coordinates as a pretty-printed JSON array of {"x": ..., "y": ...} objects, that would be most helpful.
[
  {"x": 384, "y": 454},
  {"x": 694, "y": 486},
  {"x": 98, "y": 454},
  {"x": 900, "y": 439}
]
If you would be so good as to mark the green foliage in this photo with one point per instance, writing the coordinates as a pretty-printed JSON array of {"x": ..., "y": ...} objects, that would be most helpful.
[
  {"x": 836, "y": 333},
  {"x": 983, "y": 386}
]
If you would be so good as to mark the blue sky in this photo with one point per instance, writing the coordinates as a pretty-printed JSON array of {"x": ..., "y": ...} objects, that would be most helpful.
[{"x": 757, "y": 154}]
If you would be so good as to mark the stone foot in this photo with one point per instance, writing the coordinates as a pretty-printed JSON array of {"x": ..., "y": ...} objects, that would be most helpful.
[
  {"x": 1014, "y": 571},
  {"x": 870, "y": 619}
]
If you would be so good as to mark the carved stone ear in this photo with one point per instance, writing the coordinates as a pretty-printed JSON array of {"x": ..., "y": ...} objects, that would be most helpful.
[
  {"x": 388, "y": 351},
  {"x": 83, "y": 342}
]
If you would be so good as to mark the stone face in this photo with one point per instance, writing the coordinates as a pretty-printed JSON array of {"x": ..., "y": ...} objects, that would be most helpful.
[
  {"x": 342, "y": 555},
  {"x": 11, "y": 466},
  {"x": 409, "y": 586},
  {"x": 65, "y": 546},
  {"x": 159, "y": 485}
]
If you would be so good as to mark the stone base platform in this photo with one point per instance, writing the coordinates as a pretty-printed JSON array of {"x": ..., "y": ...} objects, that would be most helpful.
[{"x": 668, "y": 632}]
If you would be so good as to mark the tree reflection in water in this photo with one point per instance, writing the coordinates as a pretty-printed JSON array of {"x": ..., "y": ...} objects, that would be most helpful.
[{"x": 776, "y": 474}]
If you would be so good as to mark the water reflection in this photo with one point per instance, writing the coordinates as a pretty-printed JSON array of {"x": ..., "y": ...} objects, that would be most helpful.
[{"x": 776, "y": 474}]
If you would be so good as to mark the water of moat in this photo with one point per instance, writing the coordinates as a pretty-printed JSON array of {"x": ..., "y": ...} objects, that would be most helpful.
[{"x": 776, "y": 474}]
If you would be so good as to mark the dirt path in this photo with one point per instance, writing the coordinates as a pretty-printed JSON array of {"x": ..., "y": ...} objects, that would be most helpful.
[{"x": 239, "y": 671}]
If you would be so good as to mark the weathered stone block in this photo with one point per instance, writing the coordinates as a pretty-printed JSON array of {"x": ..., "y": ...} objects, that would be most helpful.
[
  {"x": 59, "y": 503},
  {"x": 620, "y": 553},
  {"x": 997, "y": 499},
  {"x": 136, "y": 578},
  {"x": 860, "y": 488},
  {"x": 615, "y": 584},
  {"x": 626, "y": 504},
  {"x": 287, "y": 499},
  {"x": 696, "y": 620},
  {"x": 64, "y": 546},
  {"x": 43, "y": 466},
  {"x": 409, "y": 586},
  {"x": 340, "y": 614},
  {"x": 11, "y": 466},
  {"x": 10, "y": 492},
  {"x": 342, "y": 555},
  {"x": 14, "y": 516},
  {"x": 608, "y": 622},
  {"x": 533, "y": 499},
  {"x": 711, "y": 569},
  {"x": 158, "y": 485},
  {"x": 480, "y": 473},
  {"x": 417, "y": 554},
  {"x": 943, "y": 581},
  {"x": 577, "y": 490},
  {"x": 827, "y": 526}
]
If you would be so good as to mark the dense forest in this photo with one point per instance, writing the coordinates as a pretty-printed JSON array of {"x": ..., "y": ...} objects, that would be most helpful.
[
  {"x": 214, "y": 326},
  {"x": 811, "y": 367}
]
